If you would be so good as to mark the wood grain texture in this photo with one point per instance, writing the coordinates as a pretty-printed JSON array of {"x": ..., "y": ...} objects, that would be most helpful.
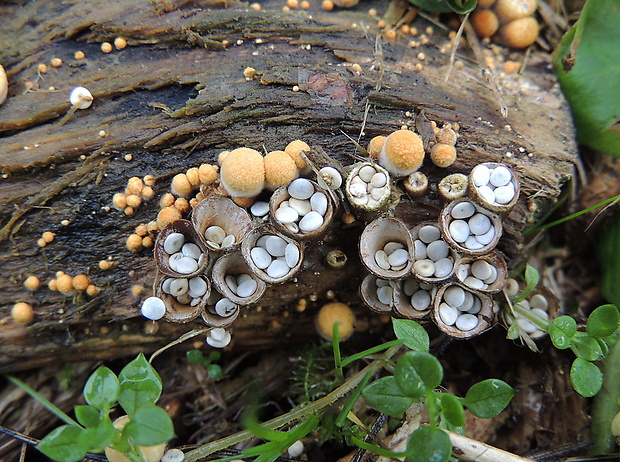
[{"x": 175, "y": 98}]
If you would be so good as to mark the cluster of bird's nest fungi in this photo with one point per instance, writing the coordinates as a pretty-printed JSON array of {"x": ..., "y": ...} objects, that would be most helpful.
[{"x": 250, "y": 221}]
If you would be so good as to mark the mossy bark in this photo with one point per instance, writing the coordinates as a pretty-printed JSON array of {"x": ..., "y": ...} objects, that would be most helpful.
[{"x": 175, "y": 98}]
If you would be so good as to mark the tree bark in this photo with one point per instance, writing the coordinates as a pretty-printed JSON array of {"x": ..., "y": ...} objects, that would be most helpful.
[{"x": 175, "y": 98}]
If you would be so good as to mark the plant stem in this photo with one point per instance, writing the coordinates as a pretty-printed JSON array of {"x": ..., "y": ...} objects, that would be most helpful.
[
  {"x": 606, "y": 405},
  {"x": 296, "y": 414},
  {"x": 370, "y": 351},
  {"x": 533, "y": 318}
]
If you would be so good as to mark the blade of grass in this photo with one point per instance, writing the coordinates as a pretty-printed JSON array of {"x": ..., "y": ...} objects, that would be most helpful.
[
  {"x": 569, "y": 217},
  {"x": 48, "y": 404}
]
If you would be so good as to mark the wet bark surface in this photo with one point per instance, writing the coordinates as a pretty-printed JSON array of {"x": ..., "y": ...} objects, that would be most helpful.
[{"x": 175, "y": 98}]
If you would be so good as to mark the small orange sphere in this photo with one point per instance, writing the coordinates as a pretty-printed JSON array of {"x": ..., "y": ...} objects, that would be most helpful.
[
  {"x": 443, "y": 155},
  {"x": 32, "y": 283},
  {"x": 134, "y": 243},
  {"x": 64, "y": 284},
  {"x": 81, "y": 282},
  {"x": 167, "y": 215},
  {"x": 332, "y": 313},
  {"x": 22, "y": 312},
  {"x": 485, "y": 22}
]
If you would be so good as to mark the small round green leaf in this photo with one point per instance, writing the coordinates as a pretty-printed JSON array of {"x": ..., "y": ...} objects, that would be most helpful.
[
  {"x": 140, "y": 384},
  {"x": 586, "y": 347},
  {"x": 150, "y": 425},
  {"x": 462, "y": 6},
  {"x": 386, "y": 397},
  {"x": 417, "y": 373},
  {"x": 87, "y": 416},
  {"x": 603, "y": 321},
  {"x": 214, "y": 371},
  {"x": 195, "y": 357},
  {"x": 102, "y": 389},
  {"x": 587, "y": 379},
  {"x": 413, "y": 335},
  {"x": 428, "y": 444},
  {"x": 63, "y": 444},
  {"x": 452, "y": 409},
  {"x": 488, "y": 398},
  {"x": 561, "y": 331}
]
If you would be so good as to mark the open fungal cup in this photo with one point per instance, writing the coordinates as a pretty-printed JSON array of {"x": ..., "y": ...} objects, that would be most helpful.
[
  {"x": 185, "y": 298},
  {"x": 301, "y": 209},
  {"x": 541, "y": 302},
  {"x": 221, "y": 222},
  {"x": 413, "y": 299},
  {"x": 235, "y": 280},
  {"x": 486, "y": 273},
  {"x": 378, "y": 293},
  {"x": 271, "y": 256},
  {"x": 368, "y": 186},
  {"x": 386, "y": 248},
  {"x": 494, "y": 186},
  {"x": 434, "y": 260},
  {"x": 462, "y": 313},
  {"x": 469, "y": 228},
  {"x": 180, "y": 251},
  {"x": 220, "y": 311}
]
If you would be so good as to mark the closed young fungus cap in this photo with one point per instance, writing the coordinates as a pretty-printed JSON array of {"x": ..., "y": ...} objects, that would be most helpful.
[
  {"x": 243, "y": 173},
  {"x": 443, "y": 155},
  {"x": 402, "y": 153},
  {"x": 332, "y": 313},
  {"x": 280, "y": 169},
  {"x": 375, "y": 146},
  {"x": 294, "y": 149}
]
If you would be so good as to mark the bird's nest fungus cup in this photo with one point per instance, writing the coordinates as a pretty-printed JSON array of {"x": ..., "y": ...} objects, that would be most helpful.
[
  {"x": 462, "y": 313},
  {"x": 301, "y": 210},
  {"x": 184, "y": 298},
  {"x": 494, "y": 186},
  {"x": 377, "y": 294},
  {"x": 219, "y": 311},
  {"x": 434, "y": 260},
  {"x": 221, "y": 222},
  {"x": 485, "y": 273},
  {"x": 180, "y": 251},
  {"x": 469, "y": 228},
  {"x": 386, "y": 248},
  {"x": 272, "y": 256},
  {"x": 413, "y": 299},
  {"x": 234, "y": 279},
  {"x": 368, "y": 187}
]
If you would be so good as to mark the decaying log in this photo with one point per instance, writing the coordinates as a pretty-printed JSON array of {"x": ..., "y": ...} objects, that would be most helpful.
[{"x": 175, "y": 98}]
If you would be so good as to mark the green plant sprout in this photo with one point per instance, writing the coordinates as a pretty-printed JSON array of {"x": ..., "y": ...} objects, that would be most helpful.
[
  {"x": 214, "y": 371},
  {"x": 136, "y": 389},
  {"x": 593, "y": 344},
  {"x": 417, "y": 375}
]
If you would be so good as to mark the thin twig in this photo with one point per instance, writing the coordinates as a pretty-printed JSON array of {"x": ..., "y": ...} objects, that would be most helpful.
[
  {"x": 455, "y": 47},
  {"x": 474, "y": 43}
]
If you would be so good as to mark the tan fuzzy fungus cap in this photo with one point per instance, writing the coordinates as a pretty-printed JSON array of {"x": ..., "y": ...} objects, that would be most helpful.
[
  {"x": 243, "y": 172},
  {"x": 280, "y": 169},
  {"x": 402, "y": 153},
  {"x": 294, "y": 149}
]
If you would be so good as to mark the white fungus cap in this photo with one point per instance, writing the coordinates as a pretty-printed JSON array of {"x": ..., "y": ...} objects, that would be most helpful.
[
  {"x": 153, "y": 308},
  {"x": 173, "y": 455},
  {"x": 219, "y": 338},
  {"x": 81, "y": 97},
  {"x": 296, "y": 449}
]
